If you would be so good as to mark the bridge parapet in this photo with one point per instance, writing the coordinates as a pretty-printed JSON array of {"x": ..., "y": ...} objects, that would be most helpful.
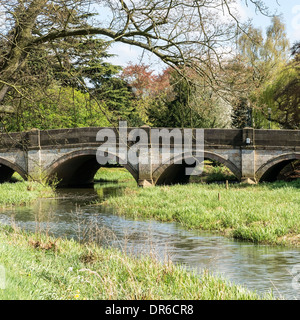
[
  {"x": 212, "y": 137},
  {"x": 277, "y": 138}
]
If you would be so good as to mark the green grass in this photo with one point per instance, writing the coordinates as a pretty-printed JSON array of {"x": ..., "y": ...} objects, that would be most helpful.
[
  {"x": 213, "y": 173},
  {"x": 16, "y": 177},
  {"x": 264, "y": 213},
  {"x": 38, "y": 267},
  {"x": 113, "y": 175},
  {"x": 23, "y": 192}
]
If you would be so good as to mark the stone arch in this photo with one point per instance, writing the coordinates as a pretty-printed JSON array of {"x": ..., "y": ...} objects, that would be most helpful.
[
  {"x": 163, "y": 174},
  {"x": 7, "y": 168},
  {"x": 270, "y": 170},
  {"x": 79, "y": 168}
]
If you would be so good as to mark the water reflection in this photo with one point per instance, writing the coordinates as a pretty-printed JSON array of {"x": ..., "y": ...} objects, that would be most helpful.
[{"x": 75, "y": 213}]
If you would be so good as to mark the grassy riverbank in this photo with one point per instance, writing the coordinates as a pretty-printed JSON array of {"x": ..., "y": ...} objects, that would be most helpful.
[
  {"x": 113, "y": 175},
  {"x": 23, "y": 192},
  {"x": 38, "y": 267},
  {"x": 210, "y": 173},
  {"x": 264, "y": 213}
]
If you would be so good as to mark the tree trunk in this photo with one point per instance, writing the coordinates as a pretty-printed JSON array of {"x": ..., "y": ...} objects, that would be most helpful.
[{"x": 22, "y": 36}]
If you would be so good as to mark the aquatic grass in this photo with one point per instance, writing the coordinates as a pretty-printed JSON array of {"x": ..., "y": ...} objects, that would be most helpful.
[
  {"x": 38, "y": 270},
  {"x": 23, "y": 192},
  {"x": 264, "y": 213}
]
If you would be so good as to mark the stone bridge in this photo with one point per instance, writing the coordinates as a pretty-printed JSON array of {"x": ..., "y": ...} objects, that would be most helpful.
[{"x": 70, "y": 155}]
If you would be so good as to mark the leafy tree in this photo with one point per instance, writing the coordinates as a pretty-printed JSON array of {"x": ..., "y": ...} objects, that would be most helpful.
[
  {"x": 58, "y": 107},
  {"x": 141, "y": 79},
  {"x": 75, "y": 64},
  {"x": 82, "y": 66},
  {"x": 255, "y": 67},
  {"x": 164, "y": 28},
  {"x": 190, "y": 103},
  {"x": 283, "y": 95},
  {"x": 241, "y": 114},
  {"x": 150, "y": 90},
  {"x": 44, "y": 77}
]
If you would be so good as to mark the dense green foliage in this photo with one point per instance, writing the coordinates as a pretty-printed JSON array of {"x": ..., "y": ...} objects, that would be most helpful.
[
  {"x": 241, "y": 114},
  {"x": 70, "y": 84},
  {"x": 258, "y": 65},
  {"x": 283, "y": 94},
  {"x": 54, "y": 71}
]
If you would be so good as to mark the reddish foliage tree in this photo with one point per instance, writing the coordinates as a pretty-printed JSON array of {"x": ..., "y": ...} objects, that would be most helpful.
[{"x": 144, "y": 81}]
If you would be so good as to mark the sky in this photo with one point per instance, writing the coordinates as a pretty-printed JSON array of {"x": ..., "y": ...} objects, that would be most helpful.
[{"x": 289, "y": 9}]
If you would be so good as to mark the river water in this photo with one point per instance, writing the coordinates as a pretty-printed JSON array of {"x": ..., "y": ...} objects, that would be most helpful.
[{"x": 75, "y": 213}]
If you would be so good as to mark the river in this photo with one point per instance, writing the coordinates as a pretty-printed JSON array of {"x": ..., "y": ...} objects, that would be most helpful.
[{"x": 76, "y": 213}]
